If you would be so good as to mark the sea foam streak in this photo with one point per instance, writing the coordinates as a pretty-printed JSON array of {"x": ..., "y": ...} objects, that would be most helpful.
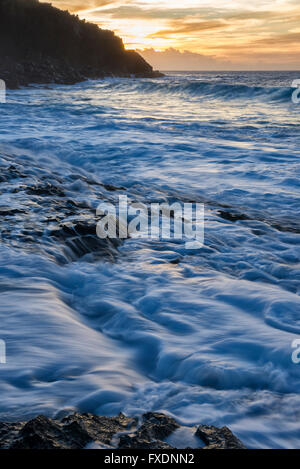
[{"x": 205, "y": 335}]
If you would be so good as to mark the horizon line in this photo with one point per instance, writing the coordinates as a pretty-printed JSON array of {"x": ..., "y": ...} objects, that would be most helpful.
[{"x": 229, "y": 70}]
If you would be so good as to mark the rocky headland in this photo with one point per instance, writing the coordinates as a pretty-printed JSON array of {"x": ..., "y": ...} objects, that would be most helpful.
[{"x": 40, "y": 44}]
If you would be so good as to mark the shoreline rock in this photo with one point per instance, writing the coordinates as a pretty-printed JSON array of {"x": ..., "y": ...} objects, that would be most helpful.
[
  {"x": 79, "y": 431},
  {"x": 51, "y": 72}
]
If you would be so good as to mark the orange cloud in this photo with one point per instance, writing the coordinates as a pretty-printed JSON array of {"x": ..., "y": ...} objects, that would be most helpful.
[
  {"x": 233, "y": 36},
  {"x": 190, "y": 27}
]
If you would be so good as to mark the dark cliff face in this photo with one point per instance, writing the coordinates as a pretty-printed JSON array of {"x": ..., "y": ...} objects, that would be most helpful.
[{"x": 41, "y": 44}]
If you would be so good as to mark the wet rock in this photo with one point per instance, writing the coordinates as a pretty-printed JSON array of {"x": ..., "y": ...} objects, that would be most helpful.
[
  {"x": 290, "y": 226},
  {"x": 46, "y": 216},
  {"x": 73, "y": 432},
  {"x": 287, "y": 225},
  {"x": 10, "y": 172},
  {"x": 218, "y": 438},
  {"x": 81, "y": 238},
  {"x": 111, "y": 188},
  {"x": 154, "y": 429},
  {"x": 138, "y": 442},
  {"x": 45, "y": 190},
  {"x": 233, "y": 216},
  {"x": 8, "y": 433},
  {"x": 77, "y": 431},
  {"x": 100, "y": 429},
  {"x": 175, "y": 261},
  {"x": 41, "y": 433},
  {"x": 9, "y": 212}
]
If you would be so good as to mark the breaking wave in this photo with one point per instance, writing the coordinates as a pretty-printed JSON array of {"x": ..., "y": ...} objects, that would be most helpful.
[{"x": 206, "y": 89}]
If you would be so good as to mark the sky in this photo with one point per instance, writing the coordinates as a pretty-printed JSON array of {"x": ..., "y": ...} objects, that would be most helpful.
[{"x": 201, "y": 34}]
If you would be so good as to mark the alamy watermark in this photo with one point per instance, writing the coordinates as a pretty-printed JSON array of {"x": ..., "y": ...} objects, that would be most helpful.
[
  {"x": 2, "y": 352},
  {"x": 157, "y": 221},
  {"x": 296, "y": 353},
  {"x": 296, "y": 93},
  {"x": 2, "y": 91}
]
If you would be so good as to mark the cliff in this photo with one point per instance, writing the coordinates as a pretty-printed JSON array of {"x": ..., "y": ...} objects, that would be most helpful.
[{"x": 42, "y": 44}]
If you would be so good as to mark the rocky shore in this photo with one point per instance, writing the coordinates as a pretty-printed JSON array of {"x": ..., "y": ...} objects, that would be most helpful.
[
  {"x": 79, "y": 431},
  {"x": 44, "y": 214}
]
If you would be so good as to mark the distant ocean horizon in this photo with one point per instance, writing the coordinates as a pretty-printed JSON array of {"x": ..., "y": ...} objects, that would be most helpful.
[{"x": 204, "y": 335}]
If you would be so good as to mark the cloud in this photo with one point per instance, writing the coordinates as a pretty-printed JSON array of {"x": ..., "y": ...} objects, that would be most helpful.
[
  {"x": 198, "y": 33},
  {"x": 135, "y": 11},
  {"x": 75, "y": 6},
  {"x": 173, "y": 59},
  {"x": 281, "y": 39},
  {"x": 189, "y": 27}
]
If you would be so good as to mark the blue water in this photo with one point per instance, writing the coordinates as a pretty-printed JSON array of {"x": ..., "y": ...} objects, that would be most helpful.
[{"x": 206, "y": 339}]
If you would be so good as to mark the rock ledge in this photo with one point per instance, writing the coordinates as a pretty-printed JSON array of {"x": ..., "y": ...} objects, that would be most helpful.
[{"x": 79, "y": 431}]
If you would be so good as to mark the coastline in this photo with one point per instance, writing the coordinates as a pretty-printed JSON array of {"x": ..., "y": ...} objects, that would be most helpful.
[
  {"x": 87, "y": 431},
  {"x": 50, "y": 71}
]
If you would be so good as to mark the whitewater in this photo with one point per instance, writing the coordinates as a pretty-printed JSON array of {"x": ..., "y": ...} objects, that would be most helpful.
[{"x": 204, "y": 335}]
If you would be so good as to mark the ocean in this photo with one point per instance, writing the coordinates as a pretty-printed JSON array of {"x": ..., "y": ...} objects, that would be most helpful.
[{"x": 206, "y": 335}]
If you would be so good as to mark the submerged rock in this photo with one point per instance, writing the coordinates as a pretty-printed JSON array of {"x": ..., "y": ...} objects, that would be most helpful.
[
  {"x": 41, "y": 214},
  {"x": 79, "y": 431}
]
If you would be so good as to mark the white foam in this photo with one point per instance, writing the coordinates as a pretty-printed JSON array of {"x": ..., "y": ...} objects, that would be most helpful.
[{"x": 207, "y": 339}]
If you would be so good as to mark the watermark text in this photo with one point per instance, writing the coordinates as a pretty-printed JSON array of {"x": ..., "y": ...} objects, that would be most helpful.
[
  {"x": 157, "y": 221},
  {"x": 2, "y": 91},
  {"x": 2, "y": 352},
  {"x": 296, "y": 353},
  {"x": 296, "y": 93}
]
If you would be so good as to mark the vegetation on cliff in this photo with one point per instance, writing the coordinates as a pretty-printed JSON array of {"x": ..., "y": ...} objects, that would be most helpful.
[{"x": 40, "y": 44}]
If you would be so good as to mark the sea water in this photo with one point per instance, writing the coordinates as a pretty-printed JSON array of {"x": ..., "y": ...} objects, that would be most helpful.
[{"x": 204, "y": 335}]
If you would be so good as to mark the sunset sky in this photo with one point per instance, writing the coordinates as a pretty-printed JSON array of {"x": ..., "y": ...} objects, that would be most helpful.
[{"x": 201, "y": 34}]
